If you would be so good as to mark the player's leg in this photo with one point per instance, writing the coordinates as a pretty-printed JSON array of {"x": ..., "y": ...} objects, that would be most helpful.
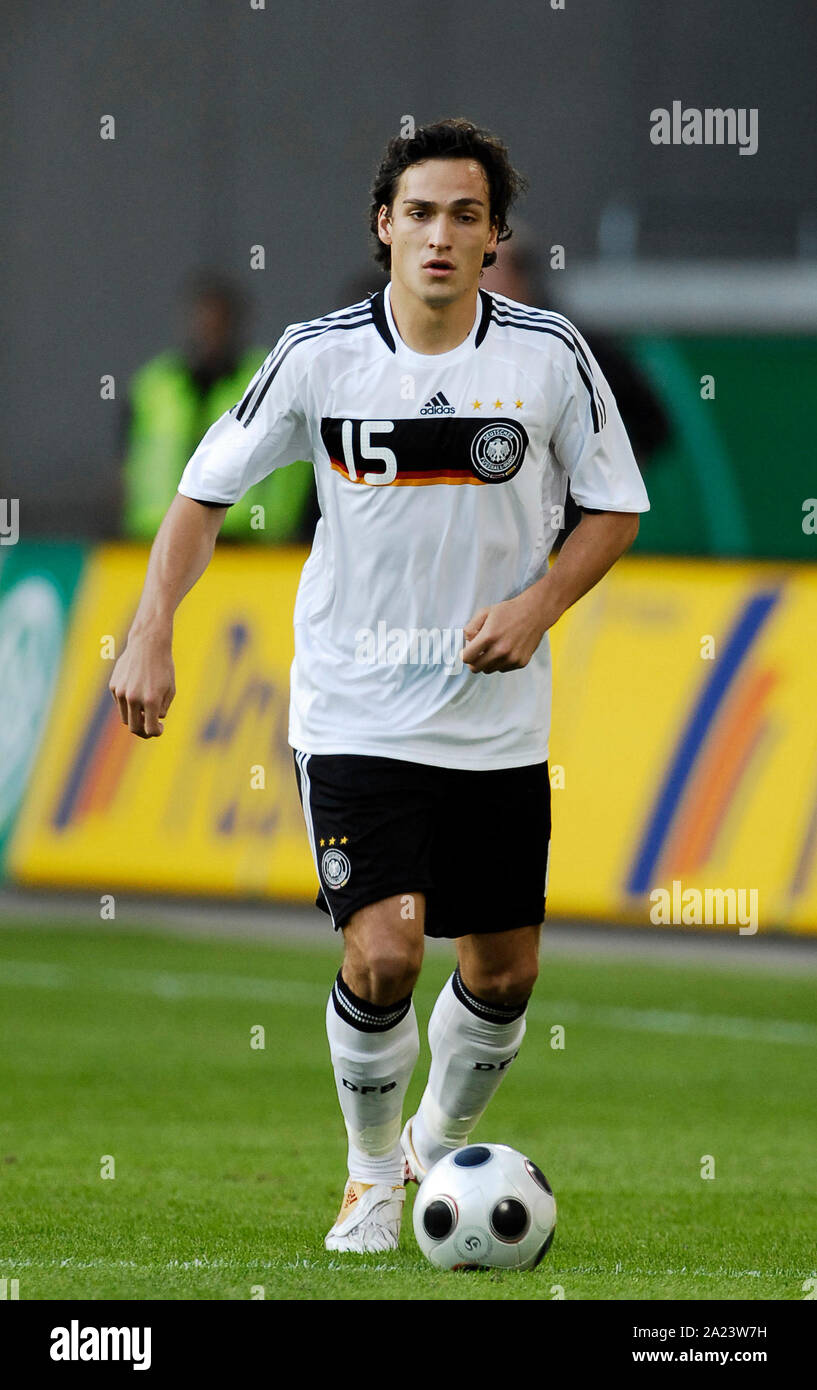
[
  {"x": 475, "y": 1032},
  {"x": 493, "y": 904},
  {"x": 369, "y": 823},
  {"x": 374, "y": 1045},
  {"x": 372, "y": 1031}
]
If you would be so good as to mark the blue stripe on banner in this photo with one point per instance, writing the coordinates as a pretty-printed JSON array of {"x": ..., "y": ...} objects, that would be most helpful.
[
  {"x": 755, "y": 613},
  {"x": 78, "y": 769}
]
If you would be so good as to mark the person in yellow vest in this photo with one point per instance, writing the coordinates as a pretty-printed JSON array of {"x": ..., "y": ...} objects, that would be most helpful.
[{"x": 172, "y": 401}]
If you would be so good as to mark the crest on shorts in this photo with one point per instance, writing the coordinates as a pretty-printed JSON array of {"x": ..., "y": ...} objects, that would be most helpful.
[
  {"x": 335, "y": 868},
  {"x": 497, "y": 451}
]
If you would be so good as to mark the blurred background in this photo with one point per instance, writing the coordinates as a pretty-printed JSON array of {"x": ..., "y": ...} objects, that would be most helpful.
[{"x": 238, "y": 127}]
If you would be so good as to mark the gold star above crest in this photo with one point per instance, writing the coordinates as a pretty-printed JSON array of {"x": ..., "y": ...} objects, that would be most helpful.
[
  {"x": 331, "y": 839},
  {"x": 344, "y": 840},
  {"x": 497, "y": 405},
  {"x": 323, "y": 842},
  {"x": 519, "y": 404},
  {"x": 477, "y": 405}
]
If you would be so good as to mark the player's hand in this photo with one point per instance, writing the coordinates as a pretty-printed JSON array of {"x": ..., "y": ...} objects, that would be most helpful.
[
  {"x": 143, "y": 684},
  {"x": 504, "y": 636}
]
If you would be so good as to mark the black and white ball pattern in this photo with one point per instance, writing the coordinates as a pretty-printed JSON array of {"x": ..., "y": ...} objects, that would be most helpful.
[{"x": 485, "y": 1206}]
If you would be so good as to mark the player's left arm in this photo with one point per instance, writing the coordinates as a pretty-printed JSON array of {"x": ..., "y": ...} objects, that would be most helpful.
[
  {"x": 590, "y": 443},
  {"x": 504, "y": 636}
]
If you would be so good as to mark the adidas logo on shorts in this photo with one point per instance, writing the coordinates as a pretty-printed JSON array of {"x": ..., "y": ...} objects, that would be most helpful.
[{"x": 438, "y": 405}]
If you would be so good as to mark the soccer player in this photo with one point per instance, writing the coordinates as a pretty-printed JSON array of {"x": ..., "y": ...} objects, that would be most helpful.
[{"x": 443, "y": 423}]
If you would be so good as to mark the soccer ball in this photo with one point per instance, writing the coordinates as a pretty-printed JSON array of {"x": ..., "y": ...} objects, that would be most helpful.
[{"x": 484, "y": 1207}]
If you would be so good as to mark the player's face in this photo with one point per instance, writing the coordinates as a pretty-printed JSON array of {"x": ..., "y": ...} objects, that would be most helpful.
[{"x": 439, "y": 229}]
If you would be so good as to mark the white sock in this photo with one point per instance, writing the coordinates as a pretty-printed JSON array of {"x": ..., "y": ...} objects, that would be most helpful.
[
  {"x": 473, "y": 1044},
  {"x": 374, "y": 1050}
]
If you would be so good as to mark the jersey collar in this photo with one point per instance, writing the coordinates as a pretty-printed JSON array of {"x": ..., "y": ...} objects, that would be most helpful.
[{"x": 383, "y": 320}]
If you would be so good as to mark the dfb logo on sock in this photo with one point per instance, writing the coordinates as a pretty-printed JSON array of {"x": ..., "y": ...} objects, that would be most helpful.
[
  {"x": 495, "y": 1066},
  {"x": 369, "y": 1090}
]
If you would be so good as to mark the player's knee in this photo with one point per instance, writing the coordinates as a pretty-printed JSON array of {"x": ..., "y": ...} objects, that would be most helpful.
[
  {"x": 386, "y": 971},
  {"x": 383, "y": 953},
  {"x": 388, "y": 977},
  {"x": 508, "y": 987}
]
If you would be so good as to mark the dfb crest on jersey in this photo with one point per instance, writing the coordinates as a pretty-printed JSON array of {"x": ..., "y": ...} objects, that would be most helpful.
[
  {"x": 335, "y": 868},
  {"x": 497, "y": 451}
]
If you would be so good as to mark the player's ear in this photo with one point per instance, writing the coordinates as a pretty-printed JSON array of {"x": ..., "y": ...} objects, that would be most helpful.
[
  {"x": 493, "y": 237},
  {"x": 384, "y": 225}
]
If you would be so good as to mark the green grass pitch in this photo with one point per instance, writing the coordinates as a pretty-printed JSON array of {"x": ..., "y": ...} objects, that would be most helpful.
[{"x": 229, "y": 1160}]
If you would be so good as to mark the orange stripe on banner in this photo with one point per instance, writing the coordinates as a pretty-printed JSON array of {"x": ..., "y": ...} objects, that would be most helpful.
[
  {"x": 720, "y": 771},
  {"x": 120, "y": 750},
  {"x": 104, "y": 772},
  {"x": 732, "y": 807}
]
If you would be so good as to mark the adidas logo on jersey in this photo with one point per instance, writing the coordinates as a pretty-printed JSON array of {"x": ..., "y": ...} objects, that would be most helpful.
[{"x": 438, "y": 405}]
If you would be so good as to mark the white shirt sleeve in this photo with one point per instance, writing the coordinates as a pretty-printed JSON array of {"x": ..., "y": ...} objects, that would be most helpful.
[
  {"x": 265, "y": 430},
  {"x": 590, "y": 440}
]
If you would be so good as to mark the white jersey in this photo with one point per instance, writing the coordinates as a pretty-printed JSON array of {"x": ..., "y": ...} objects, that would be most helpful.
[{"x": 440, "y": 480}]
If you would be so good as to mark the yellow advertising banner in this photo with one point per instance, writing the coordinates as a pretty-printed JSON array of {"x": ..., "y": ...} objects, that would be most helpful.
[
  {"x": 685, "y": 736},
  {"x": 211, "y": 806},
  {"x": 683, "y": 751}
]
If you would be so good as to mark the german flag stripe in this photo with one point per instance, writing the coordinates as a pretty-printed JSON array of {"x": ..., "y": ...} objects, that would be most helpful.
[{"x": 416, "y": 479}]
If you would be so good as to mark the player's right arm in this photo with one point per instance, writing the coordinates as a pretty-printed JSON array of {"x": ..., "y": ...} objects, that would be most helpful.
[
  {"x": 143, "y": 681},
  {"x": 265, "y": 430}
]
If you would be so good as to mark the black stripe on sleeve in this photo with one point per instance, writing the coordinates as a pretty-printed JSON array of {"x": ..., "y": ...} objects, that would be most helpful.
[
  {"x": 557, "y": 328},
  {"x": 303, "y": 334}
]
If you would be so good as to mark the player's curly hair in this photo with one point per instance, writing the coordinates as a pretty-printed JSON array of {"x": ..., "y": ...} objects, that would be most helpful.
[{"x": 454, "y": 138}]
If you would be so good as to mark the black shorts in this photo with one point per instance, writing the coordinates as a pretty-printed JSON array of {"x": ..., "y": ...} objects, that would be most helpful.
[{"x": 476, "y": 843}]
